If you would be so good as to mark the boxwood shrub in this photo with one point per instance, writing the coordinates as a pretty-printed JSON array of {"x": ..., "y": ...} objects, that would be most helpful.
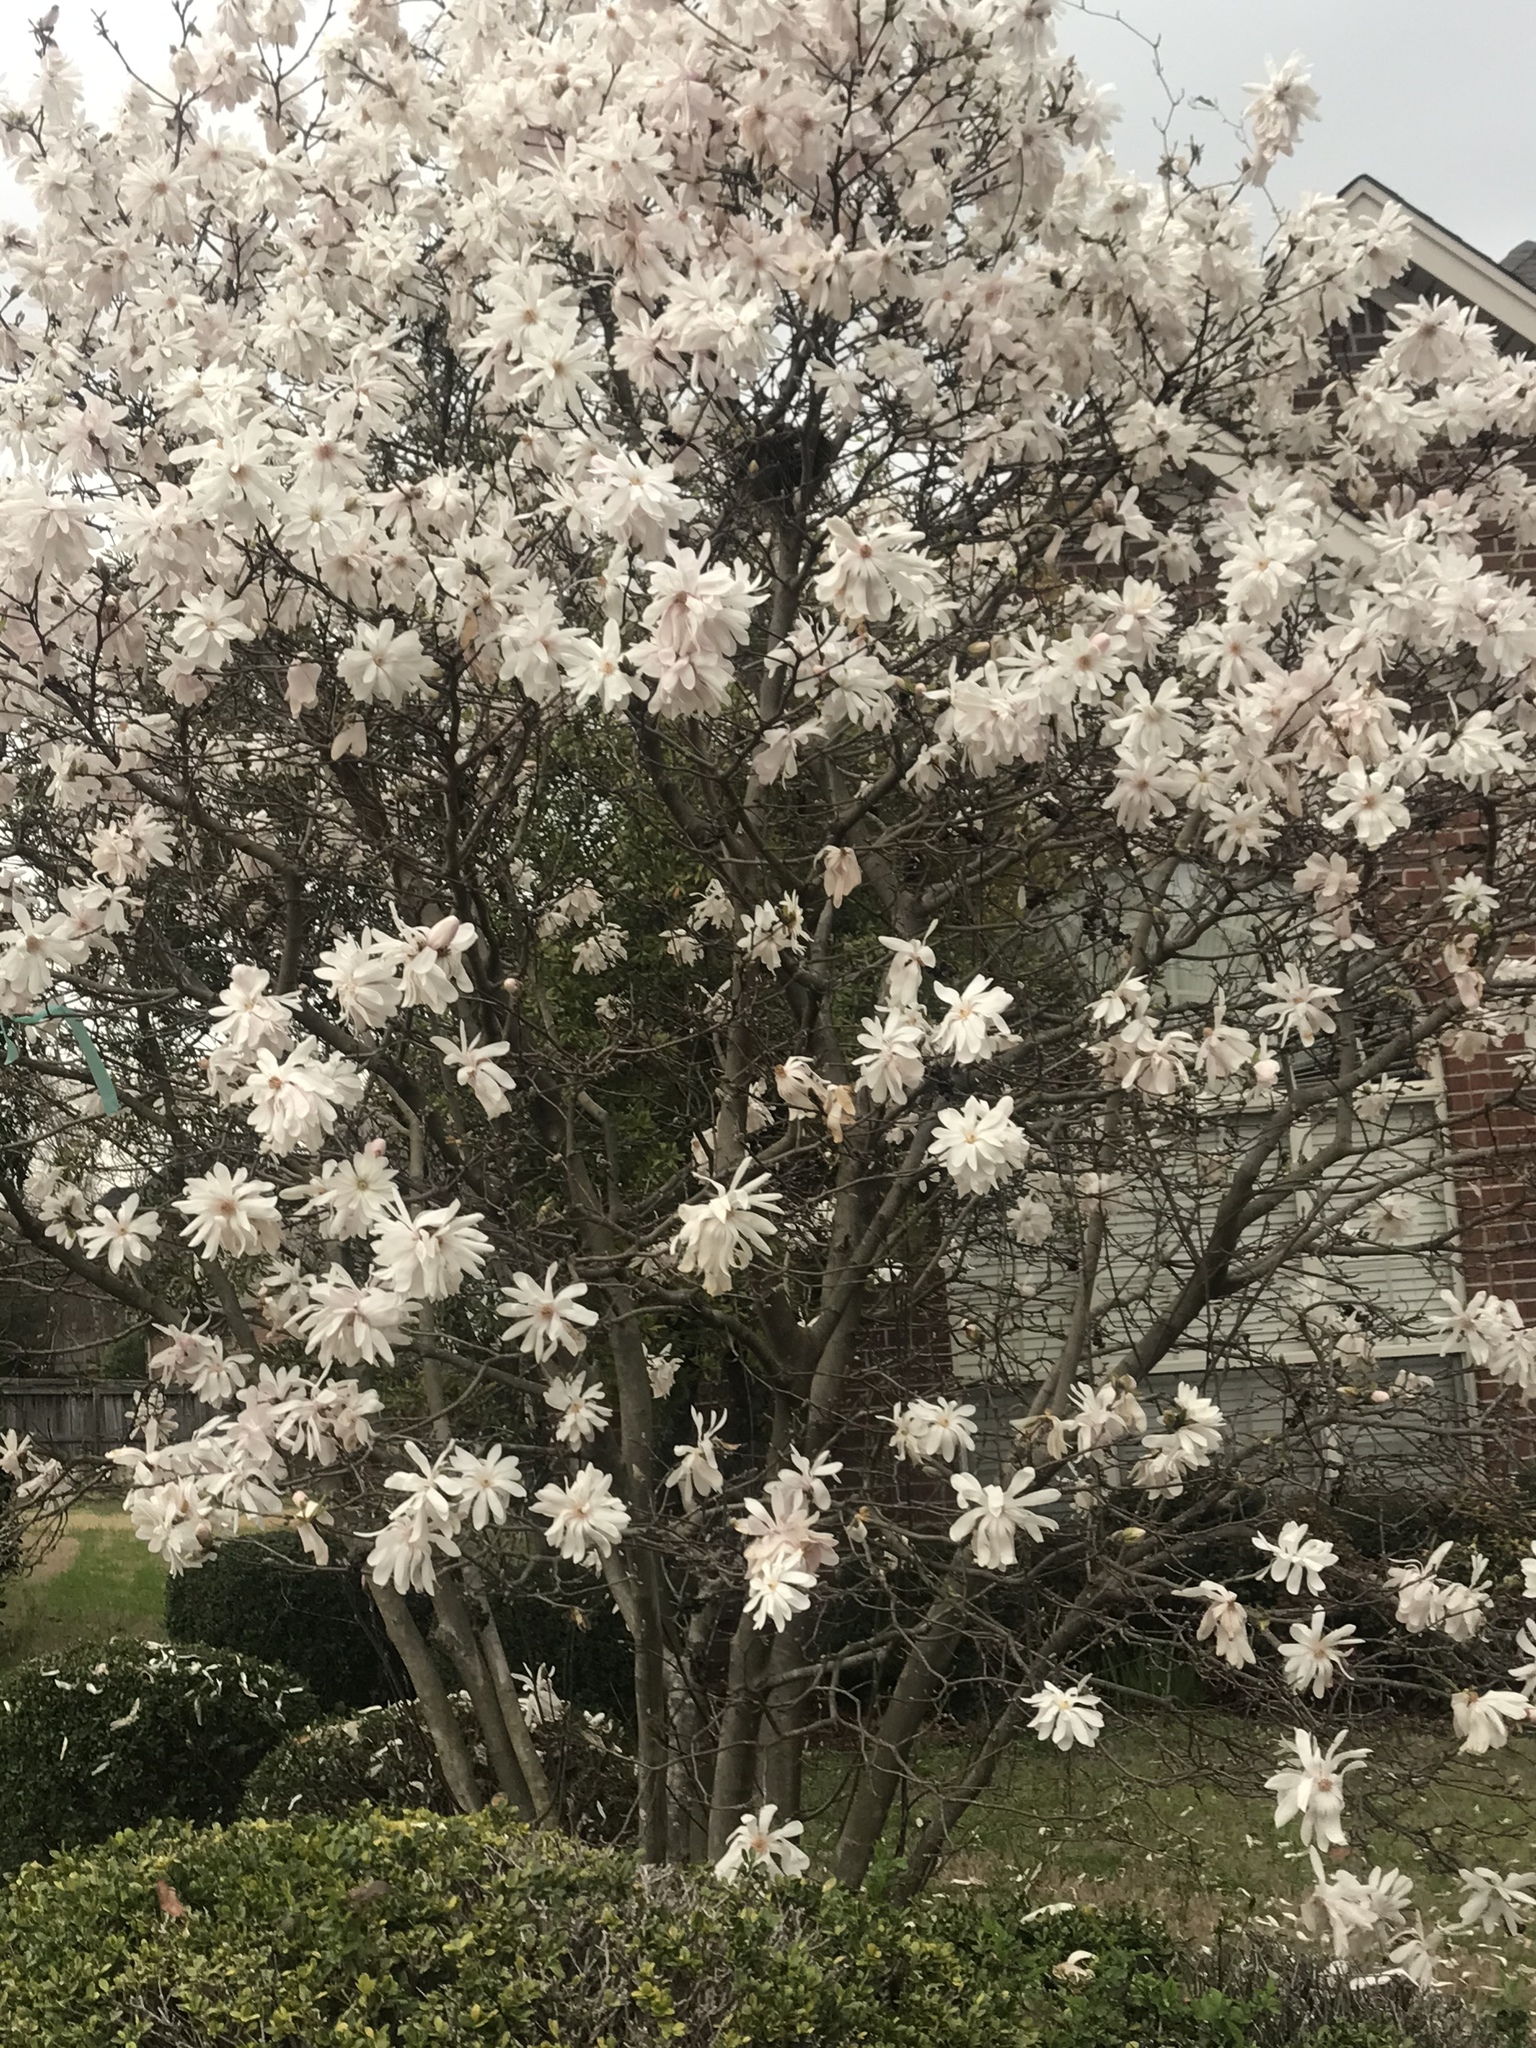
[
  {"x": 379, "y": 1755},
  {"x": 118, "y": 1732},
  {"x": 383, "y": 1755},
  {"x": 260, "y": 1596},
  {"x": 430, "y": 1931}
]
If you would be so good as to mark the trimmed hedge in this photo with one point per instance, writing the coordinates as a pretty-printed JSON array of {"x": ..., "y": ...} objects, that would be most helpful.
[
  {"x": 379, "y": 1756},
  {"x": 117, "y": 1733},
  {"x": 10, "y": 1533},
  {"x": 384, "y": 1756},
  {"x": 260, "y": 1596},
  {"x": 436, "y": 1932}
]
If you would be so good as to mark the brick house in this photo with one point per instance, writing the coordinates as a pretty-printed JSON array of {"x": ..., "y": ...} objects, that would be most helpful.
[{"x": 1495, "y": 1199}]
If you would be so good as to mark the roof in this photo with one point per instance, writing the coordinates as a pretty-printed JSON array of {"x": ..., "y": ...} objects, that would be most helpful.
[{"x": 1506, "y": 291}]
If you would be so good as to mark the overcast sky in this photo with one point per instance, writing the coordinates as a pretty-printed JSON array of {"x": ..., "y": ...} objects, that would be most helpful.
[{"x": 1433, "y": 97}]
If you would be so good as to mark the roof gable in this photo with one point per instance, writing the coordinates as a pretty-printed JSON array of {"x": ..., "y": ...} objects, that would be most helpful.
[{"x": 1501, "y": 294}]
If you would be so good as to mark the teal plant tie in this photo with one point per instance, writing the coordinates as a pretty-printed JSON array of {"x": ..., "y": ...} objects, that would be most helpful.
[{"x": 101, "y": 1079}]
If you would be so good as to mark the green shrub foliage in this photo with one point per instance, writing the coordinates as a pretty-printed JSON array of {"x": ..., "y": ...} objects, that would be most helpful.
[
  {"x": 117, "y": 1733},
  {"x": 261, "y": 1596},
  {"x": 379, "y": 1755},
  {"x": 437, "y": 1930},
  {"x": 384, "y": 1756},
  {"x": 10, "y": 1534}
]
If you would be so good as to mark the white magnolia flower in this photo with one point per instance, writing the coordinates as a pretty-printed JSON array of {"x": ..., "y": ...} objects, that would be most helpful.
[
  {"x": 877, "y": 571},
  {"x": 121, "y": 1235},
  {"x": 697, "y": 1472},
  {"x": 196, "y": 1359},
  {"x": 720, "y": 1236},
  {"x": 661, "y": 1369},
  {"x": 1224, "y": 1622},
  {"x": 1316, "y": 1656},
  {"x": 351, "y": 1197},
  {"x": 295, "y": 1100},
  {"x": 431, "y": 1254},
  {"x": 475, "y": 1067},
  {"x": 542, "y": 1706},
  {"x": 1188, "y": 1440},
  {"x": 1030, "y": 1221},
  {"x": 1301, "y": 1005},
  {"x": 14, "y": 1451},
  {"x": 483, "y": 1483},
  {"x": 1296, "y": 1556},
  {"x": 891, "y": 1066},
  {"x": 248, "y": 1018},
  {"x": 840, "y": 872},
  {"x": 777, "y": 1590},
  {"x": 904, "y": 976},
  {"x": 230, "y": 1214},
  {"x": 1356, "y": 1912},
  {"x": 1484, "y": 1719},
  {"x": 934, "y": 1429},
  {"x": 992, "y": 1516},
  {"x": 1310, "y": 1784},
  {"x": 1525, "y": 1643},
  {"x": 586, "y": 1517},
  {"x": 384, "y": 665},
  {"x": 543, "y": 1318},
  {"x": 1496, "y": 1904},
  {"x": 759, "y": 1843},
  {"x": 363, "y": 977},
  {"x": 979, "y": 1145},
  {"x": 353, "y": 1322},
  {"x": 582, "y": 1410},
  {"x": 1464, "y": 1606},
  {"x": 1066, "y": 1715},
  {"x": 971, "y": 1028}
]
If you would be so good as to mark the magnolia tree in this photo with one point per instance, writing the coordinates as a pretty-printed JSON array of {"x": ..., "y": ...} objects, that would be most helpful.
[{"x": 726, "y": 750}]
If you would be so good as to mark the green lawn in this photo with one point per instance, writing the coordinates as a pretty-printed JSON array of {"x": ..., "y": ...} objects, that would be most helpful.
[
  {"x": 98, "y": 1581},
  {"x": 1169, "y": 1812}
]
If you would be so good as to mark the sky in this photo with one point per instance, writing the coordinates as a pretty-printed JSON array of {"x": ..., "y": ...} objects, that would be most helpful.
[{"x": 1432, "y": 97}]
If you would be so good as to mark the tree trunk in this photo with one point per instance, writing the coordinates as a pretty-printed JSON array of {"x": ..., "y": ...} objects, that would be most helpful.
[
  {"x": 785, "y": 1712},
  {"x": 530, "y": 1763},
  {"x": 436, "y": 1707},
  {"x": 905, "y": 1716},
  {"x": 458, "y": 1633},
  {"x": 736, "y": 1756}
]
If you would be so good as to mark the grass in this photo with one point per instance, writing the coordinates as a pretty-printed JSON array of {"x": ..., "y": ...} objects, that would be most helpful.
[
  {"x": 1170, "y": 1813},
  {"x": 99, "y": 1580}
]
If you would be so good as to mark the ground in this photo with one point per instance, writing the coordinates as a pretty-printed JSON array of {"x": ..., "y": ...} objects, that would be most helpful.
[
  {"x": 98, "y": 1580},
  {"x": 1169, "y": 1813}
]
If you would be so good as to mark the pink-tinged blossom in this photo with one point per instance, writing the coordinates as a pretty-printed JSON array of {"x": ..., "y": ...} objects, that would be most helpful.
[
  {"x": 719, "y": 1237},
  {"x": 763, "y": 1843},
  {"x": 230, "y": 1215},
  {"x": 587, "y": 1520},
  {"x": 543, "y": 1319},
  {"x": 993, "y": 1517}
]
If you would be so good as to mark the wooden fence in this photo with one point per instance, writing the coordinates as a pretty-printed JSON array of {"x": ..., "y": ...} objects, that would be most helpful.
[{"x": 82, "y": 1418}]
